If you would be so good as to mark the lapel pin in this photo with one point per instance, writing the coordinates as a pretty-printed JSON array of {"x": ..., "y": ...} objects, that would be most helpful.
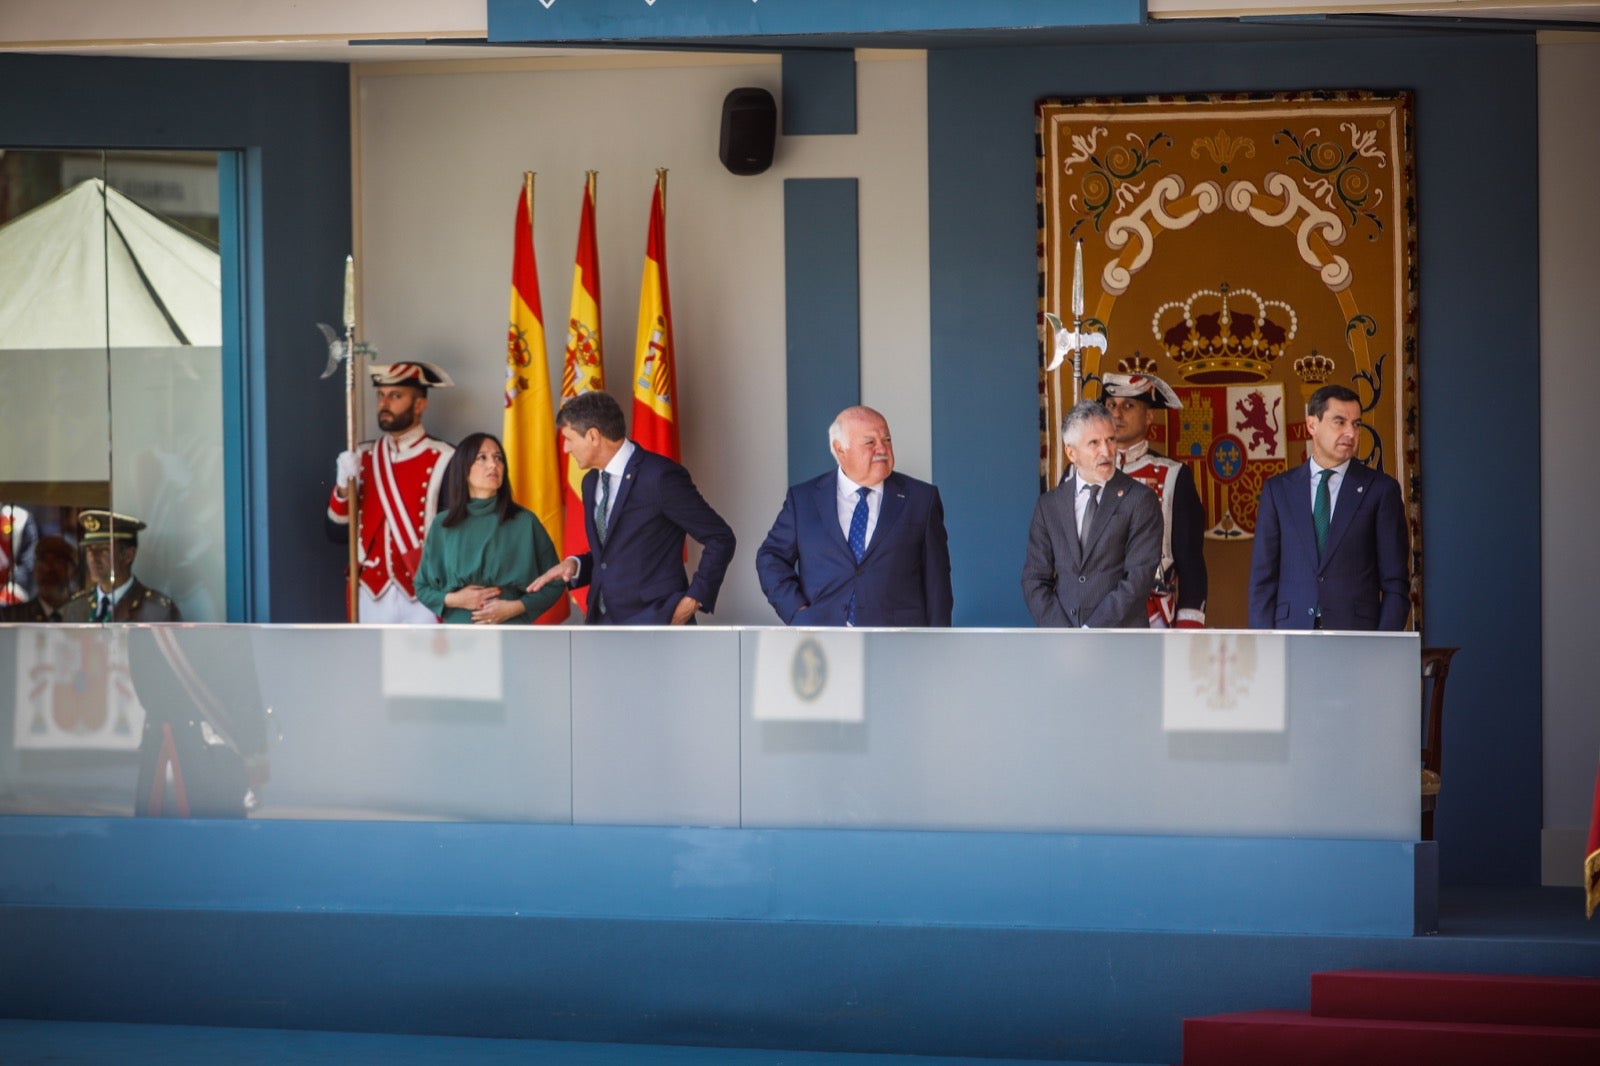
[{"x": 1361, "y": 488}]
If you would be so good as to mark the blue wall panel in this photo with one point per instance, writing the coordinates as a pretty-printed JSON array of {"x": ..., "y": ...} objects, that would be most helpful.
[
  {"x": 1478, "y": 250},
  {"x": 819, "y": 92},
  {"x": 623, "y": 20},
  {"x": 822, "y": 308},
  {"x": 290, "y": 121}
]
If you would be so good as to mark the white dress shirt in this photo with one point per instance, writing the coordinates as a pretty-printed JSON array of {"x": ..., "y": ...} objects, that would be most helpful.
[
  {"x": 1333, "y": 485},
  {"x": 846, "y": 497},
  {"x": 613, "y": 470},
  {"x": 1080, "y": 500}
]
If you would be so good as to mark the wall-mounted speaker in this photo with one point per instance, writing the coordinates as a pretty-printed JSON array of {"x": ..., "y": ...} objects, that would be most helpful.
[{"x": 749, "y": 128}]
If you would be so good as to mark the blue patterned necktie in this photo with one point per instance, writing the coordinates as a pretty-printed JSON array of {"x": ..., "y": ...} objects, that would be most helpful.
[
  {"x": 601, "y": 519},
  {"x": 858, "y": 546},
  {"x": 858, "y": 526},
  {"x": 102, "y": 607},
  {"x": 1322, "y": 510}
]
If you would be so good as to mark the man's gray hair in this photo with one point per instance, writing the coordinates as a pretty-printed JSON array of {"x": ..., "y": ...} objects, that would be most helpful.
[
  {"x": 836, "y": 430},
  {"x": 1082, "y": 412}
]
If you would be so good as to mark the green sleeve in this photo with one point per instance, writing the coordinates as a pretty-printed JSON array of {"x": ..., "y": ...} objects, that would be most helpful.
[
  {"x": 544, "y": 557},
  {"x": 430, "y": 579}
]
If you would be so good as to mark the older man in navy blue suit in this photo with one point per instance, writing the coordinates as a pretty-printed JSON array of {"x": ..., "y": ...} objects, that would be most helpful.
[
  {"x": 860, "y": 545},
  {"x": 638, "y": 507},
  {"x": 1331, "y": 548}
]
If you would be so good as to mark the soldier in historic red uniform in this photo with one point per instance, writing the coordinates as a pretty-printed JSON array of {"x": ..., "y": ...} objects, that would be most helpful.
[
  {"x": 1178, "y": 596},
  {"x": 398, "y": 478},
  {"x": 19, "y": 534}
]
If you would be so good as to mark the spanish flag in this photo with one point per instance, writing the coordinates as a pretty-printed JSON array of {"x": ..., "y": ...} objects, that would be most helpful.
[
  {"x": 584, "y": 370},
  {"x": 655, "y": 377},
  {"x": 532, "y": 456}
]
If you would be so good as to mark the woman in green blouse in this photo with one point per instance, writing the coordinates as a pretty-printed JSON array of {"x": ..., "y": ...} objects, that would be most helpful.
[{"x": 484, "y": 549}]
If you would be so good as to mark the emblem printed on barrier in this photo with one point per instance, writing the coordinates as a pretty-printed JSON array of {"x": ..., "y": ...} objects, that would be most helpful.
[
  {"x": 808, "y": 671},
  {"x": 1216, "y": 682},
  {"x": 1223, "y": 668}
]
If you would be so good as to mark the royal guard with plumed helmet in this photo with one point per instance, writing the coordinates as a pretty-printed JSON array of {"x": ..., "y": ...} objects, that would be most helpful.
[
  {"x": 397, "y": 482},
  {"x": 1178, "y": 593}
]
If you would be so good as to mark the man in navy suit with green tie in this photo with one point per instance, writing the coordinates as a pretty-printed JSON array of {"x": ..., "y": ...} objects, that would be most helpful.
[{"x": 1332, "y": 547}]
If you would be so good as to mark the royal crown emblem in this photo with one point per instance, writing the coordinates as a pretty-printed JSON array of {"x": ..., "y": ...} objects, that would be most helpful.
[
  {"x": 1314, "y": 369},
  {"x": 1225, "y": 336},
  {"x": 1137, "y": 364}
]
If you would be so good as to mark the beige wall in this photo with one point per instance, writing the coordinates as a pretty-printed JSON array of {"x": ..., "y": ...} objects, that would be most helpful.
[
  {"x": 1569, "y": 385},
  {"x": 440, "y": 154}
]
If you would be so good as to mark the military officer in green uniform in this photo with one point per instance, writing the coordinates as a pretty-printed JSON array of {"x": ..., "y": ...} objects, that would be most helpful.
[{"x": 110, "y": 542}]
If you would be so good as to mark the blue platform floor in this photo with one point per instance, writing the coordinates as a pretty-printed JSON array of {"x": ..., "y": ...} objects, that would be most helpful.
[
  {"x": 1504, "y": 930},
  {"x": 24, "y": 1043}
]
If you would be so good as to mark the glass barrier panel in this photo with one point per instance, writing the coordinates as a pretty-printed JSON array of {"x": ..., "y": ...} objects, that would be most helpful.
[
  {"x": 1209, "y": 733},
  {"x": 164, "y": 292},
  {"x": 110, "y": 348},
  {"x": 1200, "y": 732},
  {"x": 403, "y": 723},
  {"x": 54, "y": 428}
]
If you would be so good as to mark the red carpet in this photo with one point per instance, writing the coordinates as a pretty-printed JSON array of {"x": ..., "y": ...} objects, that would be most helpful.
[
  {"x": 1379, "y": 1017},
  {"x": 1502, "y": 999}
]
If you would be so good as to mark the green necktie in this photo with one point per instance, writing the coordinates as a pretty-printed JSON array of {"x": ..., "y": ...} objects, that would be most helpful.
[{"x": 1322, "y": 510}]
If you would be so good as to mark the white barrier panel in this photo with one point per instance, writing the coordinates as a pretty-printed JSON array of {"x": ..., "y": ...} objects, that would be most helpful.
[{"x": 1210, "y": 732}]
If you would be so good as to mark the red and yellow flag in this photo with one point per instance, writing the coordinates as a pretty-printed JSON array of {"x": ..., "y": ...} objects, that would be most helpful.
[
  {"x": 529, "y": 429},
  {"x": 585, "y": 369},
  {"x": 655, "y": 375}
]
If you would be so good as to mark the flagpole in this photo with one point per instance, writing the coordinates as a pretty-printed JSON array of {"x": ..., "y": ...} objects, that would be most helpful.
[
  {"x": 353, "y": 554},
  {"x": 1077, "y": 323}
]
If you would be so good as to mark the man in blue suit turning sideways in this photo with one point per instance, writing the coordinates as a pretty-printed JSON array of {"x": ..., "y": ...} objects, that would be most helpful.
[
  {"x": 1331, "y": 549},
  {"x": 638, "y": 506},
  {"x": 861, "y": 545}
]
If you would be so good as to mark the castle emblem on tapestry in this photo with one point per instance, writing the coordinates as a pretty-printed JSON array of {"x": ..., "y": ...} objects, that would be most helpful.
[{"x": 1247, "y": 249}]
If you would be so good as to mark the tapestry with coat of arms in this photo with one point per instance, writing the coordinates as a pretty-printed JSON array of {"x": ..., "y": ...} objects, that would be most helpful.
[{"x": 1247, "y": 249}]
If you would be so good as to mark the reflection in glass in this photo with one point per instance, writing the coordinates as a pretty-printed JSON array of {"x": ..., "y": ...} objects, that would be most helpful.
[
  {"x": 203, "y": 744},
  {"x": 110, "y": 347},
  {"x": 1026, "y": 730}
]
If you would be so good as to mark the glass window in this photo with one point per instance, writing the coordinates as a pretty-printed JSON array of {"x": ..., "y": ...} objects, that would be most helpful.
[{"x": 111, "y": 354}]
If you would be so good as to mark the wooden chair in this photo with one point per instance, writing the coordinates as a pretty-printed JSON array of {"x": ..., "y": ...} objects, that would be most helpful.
[{"x": 1435, "y": 672}]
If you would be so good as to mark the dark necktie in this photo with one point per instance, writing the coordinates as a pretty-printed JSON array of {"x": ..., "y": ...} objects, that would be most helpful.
[
  {"x": 858, "y": 525},
  {"x": 1322, "y": 510},
  {"x": 858, "y": 546},
  {"x": 1088, "y": 513},
  {"x": 102, "y": 607},
  {"x": 600, "y": 517}
]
